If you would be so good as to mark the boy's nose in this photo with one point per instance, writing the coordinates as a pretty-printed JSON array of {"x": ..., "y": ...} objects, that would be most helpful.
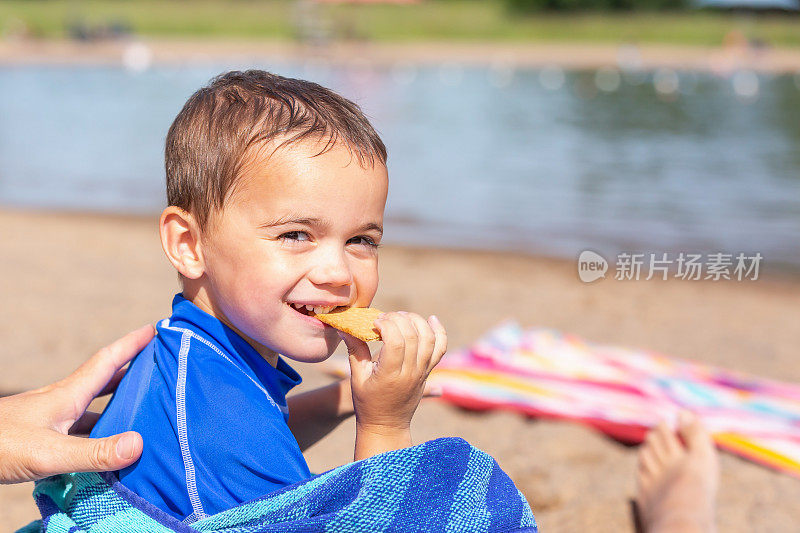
[{"x": 331, "y": 270}]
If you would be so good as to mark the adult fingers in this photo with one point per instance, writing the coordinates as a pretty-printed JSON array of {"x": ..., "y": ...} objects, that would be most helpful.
[
  {"x": 92, "y": 376},
  {"x": 77, "y": 454},
  {"x": 440, "y": 345},
  {"x": 84, "y": 425},
  {"x": 112, "y": 385}
]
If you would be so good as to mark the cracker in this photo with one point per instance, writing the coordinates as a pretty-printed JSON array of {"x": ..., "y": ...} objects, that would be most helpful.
[{"x": 355, "y": 321}]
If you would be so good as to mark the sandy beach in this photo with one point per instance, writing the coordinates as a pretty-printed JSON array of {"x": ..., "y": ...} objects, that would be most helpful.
[
  {"x": 73, "y": 282},
  {"x": 401, "y": 54}
]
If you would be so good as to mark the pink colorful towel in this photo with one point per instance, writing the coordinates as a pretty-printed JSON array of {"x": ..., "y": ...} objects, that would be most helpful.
[{"x": 623, "y": 392}]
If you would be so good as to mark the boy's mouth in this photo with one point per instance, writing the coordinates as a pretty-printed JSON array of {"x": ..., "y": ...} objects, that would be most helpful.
[{"x": 311, "y": 310}]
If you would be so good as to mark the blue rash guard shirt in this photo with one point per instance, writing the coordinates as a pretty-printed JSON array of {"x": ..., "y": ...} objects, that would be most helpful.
[{"x": 212, "y": 413}]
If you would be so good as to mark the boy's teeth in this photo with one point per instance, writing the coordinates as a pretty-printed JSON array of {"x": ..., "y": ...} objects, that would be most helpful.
[{"x": 317, "y": 310}]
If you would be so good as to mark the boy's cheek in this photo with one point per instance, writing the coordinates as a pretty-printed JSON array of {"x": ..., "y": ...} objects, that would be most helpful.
[{"x": 367, "y": 286}]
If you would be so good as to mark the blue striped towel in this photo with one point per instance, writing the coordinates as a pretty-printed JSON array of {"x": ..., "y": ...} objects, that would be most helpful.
[{"x": 442, "y": 485}]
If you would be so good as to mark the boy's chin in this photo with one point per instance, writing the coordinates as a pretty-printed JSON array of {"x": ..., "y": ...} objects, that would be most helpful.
[
  {"x": 314, "y": 354},
  {"x": 316, "y": 359},
  {"x": 308, "y": 357}
]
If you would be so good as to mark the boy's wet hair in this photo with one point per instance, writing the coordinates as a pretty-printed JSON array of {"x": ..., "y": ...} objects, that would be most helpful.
[{"x": 208, "y": 141}]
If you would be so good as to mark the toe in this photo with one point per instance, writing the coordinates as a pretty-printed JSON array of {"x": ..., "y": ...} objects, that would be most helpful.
[
  {"x": 648, "y": 462},
  {"x": 664, "y": 444},
  {"x": 658, "y": 441},
  {"x": 669, "y": 446},
  {"x": 644, "y": 478},
  {"x": 693, "y": 432}
]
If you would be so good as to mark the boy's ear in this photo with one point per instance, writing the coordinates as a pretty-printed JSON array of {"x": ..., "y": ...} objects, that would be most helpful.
[{"x": 180, "y": 239}]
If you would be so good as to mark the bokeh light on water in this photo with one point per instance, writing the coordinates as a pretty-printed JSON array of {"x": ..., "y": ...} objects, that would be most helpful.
[{"x": 544, "y": 161}]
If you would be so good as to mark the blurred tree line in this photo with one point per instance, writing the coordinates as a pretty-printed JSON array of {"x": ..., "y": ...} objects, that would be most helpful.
[{"x": 596, "y": 5}]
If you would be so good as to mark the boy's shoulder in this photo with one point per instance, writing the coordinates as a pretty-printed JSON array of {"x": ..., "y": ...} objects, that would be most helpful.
[
  {"x": 219, "y": 364},
  {"x": 201, "y": 417},
  {"x": 187, "y": 381}
]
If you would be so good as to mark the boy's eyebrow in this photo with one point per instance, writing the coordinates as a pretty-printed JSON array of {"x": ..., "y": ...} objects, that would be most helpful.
[
  {"x": 317, "y": 222},
  {"x": 371, "y": 226}
]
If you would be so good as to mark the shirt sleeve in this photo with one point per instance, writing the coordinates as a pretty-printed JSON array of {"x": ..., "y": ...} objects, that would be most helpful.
[
  {"x": 239, "y": 445},
  {"x": 145, "y": 402}
]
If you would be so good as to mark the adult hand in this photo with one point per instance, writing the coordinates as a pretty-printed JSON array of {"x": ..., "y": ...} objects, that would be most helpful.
[{"x": 37, "y": 428}]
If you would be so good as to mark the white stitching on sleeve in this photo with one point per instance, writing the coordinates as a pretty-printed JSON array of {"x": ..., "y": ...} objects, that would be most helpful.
[{"x": 180, "y": 401}]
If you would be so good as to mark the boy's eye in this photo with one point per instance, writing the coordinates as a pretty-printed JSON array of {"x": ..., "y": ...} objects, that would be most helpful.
[
  {"x": 364, "y": 240},
  {"x": 295, "y": 236}
]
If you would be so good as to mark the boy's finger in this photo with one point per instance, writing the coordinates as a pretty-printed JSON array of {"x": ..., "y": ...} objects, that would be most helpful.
[
  {"x": 355, "y": 347},
  {"x": 391, "y": 356},
  {"x": 359, "y": 357},
  {"x": 410, "y": 338},
  {"x": 440, "y": 346},
  {"x": 426, "y": 341}
]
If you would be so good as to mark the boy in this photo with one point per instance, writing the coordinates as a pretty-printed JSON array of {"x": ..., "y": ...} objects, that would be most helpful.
[{"x": 276, "y": 190}]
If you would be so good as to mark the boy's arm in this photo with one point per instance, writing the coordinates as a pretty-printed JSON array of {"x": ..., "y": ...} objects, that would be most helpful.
[
  {"x": 315, "y": 413},
  {"x": 378, "y": 439}
]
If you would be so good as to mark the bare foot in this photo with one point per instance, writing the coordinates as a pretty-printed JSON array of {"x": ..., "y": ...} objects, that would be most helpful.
[{"x": 677, "y": 482}]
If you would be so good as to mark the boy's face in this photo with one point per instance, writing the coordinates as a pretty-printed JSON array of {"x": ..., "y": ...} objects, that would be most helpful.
[{"x": 298, "y": 229}]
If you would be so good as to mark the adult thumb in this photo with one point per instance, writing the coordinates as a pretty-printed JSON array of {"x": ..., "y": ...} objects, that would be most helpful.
[{"x": 99, "y": 455}]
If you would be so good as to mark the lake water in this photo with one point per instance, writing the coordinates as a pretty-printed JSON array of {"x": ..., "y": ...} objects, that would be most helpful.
[{"x": 539, "y": 161}]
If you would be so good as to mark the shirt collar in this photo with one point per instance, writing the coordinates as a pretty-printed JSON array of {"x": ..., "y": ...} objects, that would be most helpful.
[{"x": 283, "y": 377}]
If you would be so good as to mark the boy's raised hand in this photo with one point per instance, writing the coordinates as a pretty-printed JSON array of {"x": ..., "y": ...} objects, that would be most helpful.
[{"x": 387, "y": 391}]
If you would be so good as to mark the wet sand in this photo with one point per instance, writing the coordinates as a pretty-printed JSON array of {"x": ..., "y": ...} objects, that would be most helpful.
[
  {"x": 501, "y": 55},
  {"x": 71, "y": 283}
]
